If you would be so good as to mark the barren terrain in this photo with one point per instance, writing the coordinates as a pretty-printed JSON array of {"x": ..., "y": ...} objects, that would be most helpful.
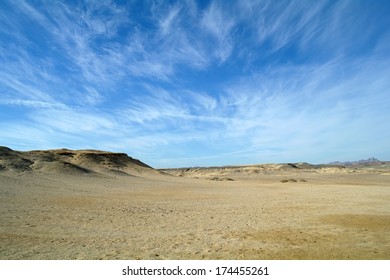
[{"x": 63, "y": 204}]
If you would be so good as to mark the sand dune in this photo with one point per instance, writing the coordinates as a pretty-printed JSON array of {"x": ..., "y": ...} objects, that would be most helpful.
[{"x": 64, "y": 204}]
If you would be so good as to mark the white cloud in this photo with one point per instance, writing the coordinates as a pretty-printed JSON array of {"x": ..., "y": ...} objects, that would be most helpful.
[
  {"x": 29, "y": 103},
  {"x": 168, "y": 24},
  {"x": 74, "y": 121},
  {"x": 219, "y": 23},
  {"x": 17, "y": 88},
  {"x": 201, "y": 102}
]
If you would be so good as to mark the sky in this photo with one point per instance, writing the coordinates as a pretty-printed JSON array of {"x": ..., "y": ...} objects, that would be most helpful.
[{"x": 198, "y": 83}]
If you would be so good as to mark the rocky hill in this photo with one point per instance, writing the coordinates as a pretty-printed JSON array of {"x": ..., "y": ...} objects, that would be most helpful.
[{"x": 76, "y": 162}]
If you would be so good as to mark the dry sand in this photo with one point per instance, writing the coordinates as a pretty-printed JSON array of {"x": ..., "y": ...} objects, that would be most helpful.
[{"x": 95, "y": 205}]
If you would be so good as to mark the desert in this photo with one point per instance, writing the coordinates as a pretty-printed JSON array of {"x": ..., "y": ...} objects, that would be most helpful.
[{"x": 88, "y": 204}]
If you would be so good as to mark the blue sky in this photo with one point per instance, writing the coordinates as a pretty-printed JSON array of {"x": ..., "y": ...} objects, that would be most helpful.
[{"x": 198, "y": 83}]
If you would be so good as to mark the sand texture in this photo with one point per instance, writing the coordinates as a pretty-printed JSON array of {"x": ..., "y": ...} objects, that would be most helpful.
[{"x": 63, "y": 204}]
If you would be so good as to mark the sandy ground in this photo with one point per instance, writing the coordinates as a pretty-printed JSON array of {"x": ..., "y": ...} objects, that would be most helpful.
[{"x": 325, "y": 214}]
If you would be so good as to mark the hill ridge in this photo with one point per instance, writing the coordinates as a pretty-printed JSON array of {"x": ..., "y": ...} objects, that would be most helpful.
[{"x": 71, "y": 162}]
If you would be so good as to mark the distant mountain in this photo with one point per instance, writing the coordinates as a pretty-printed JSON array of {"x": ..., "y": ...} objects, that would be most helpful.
[{"x": 369, "y": 161}]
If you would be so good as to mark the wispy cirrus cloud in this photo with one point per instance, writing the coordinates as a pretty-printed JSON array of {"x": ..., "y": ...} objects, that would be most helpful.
[
  {"x": 312, "y": 110},
  {"x": 28, "y": 103},
  {"x": 219, "y": 22},
  {"x": 184, "y": 83}
]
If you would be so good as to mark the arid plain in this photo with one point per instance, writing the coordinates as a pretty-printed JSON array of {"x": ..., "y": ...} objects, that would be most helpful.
[{"x": 64, "y": 204}]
